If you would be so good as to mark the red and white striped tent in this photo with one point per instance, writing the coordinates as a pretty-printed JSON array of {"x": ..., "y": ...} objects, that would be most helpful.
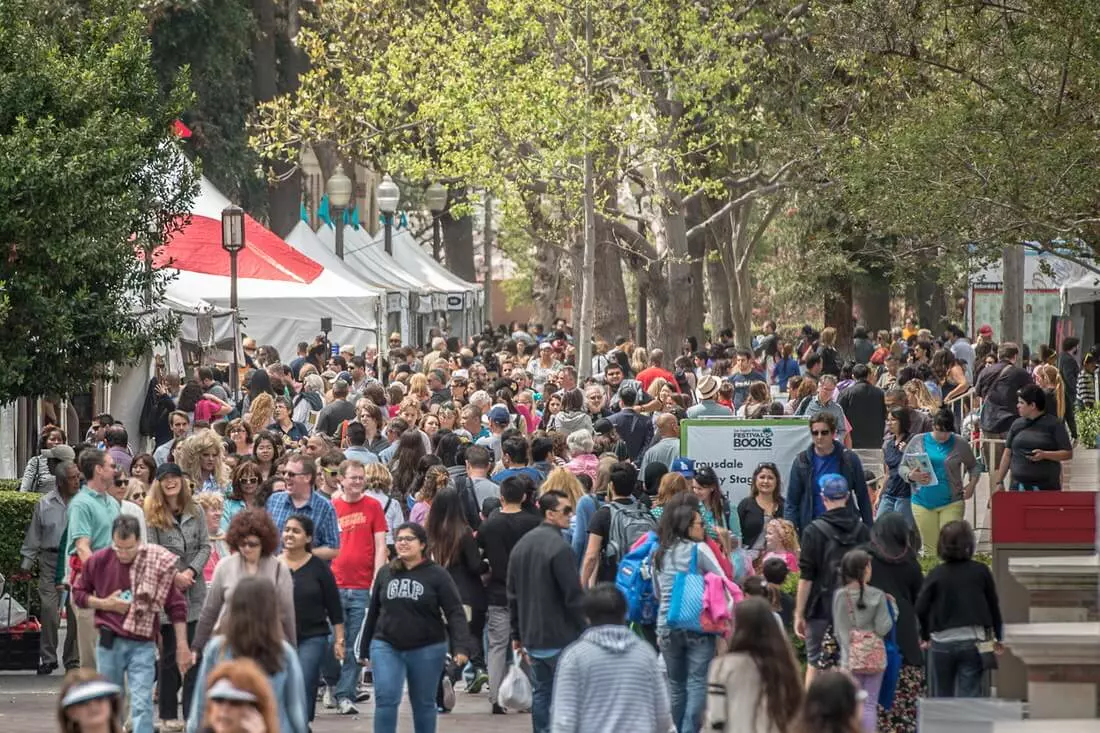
[{"x": 281, "y": 293}]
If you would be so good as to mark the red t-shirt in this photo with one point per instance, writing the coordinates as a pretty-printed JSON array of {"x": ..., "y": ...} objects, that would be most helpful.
[
  {"x": 359, "y": 522},
  {"x": 646, "y": 377}
]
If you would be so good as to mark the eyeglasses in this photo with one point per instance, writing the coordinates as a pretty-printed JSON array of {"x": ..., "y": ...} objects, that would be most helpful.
[
  {"x": 406, "y": 538},
  {"x": 251, "y": 544},
  {"x": 566, "y": 510},
  {"x": 330, "y": 471},
  {"x": 292, "y": 474},
  {"x": 821, "y": 432},
  {"x": 249, "y": 480}
]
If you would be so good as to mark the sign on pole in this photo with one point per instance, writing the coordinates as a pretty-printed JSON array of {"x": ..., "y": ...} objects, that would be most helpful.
[{"x": 734, "y": 448}]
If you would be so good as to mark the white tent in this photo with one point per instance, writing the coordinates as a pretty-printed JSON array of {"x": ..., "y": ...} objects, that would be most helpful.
[
  {"x": 1085, "y": 289},
  {"x": 367, "y": 257},
  {"x": 414, "y": 259},
  {"x": 282, "y": 295}
]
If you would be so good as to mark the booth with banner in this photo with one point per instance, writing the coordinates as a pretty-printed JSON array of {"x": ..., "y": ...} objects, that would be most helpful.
[{"x": 735, "y": 447}]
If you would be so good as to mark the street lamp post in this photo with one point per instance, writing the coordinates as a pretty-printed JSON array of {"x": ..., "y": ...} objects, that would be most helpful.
[
  {"x": 389, "y": 196},
  {"x": 338, "y": 189},
  {"x": 233, "y": 243},
  {"x": 435, "y": 196}
]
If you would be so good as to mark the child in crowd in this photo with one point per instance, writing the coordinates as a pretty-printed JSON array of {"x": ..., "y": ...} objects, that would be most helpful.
[
  {"x": 861, "y": 621},
  {"x": 782, "y": 541},
  {"x": 775, "y": 572},
  {"x": 757, "y": 585}
]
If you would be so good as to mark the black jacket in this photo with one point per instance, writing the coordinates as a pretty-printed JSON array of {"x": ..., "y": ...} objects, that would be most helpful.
[
  {"x": 959, "y": 594},
  {"x": 635, "y": 429},
  {"x": 901, "y": 577},
  {"x": 751, "y": 518},
  {"x": 999, "y": 386},
  {"x": 545, "y": 600},
  {"x": 154, "y": 414},
  {"x": 824, "y": 543},
  {"x": 865, "y": 407}
]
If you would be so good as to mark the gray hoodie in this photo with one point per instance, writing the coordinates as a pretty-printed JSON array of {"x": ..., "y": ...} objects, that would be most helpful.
[
  {"x": 609, "y": 680},
  {"x": 874, "y": 616},
  {"x": 568, "y": 422}
]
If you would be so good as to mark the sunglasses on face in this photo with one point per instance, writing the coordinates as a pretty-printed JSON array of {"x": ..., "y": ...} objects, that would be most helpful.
[
  {"x": 250, "y": 480},
  {"x": 566, "y": 510},
  {"x": 250, "y": 544},
  {"x": 817, "y": 433}
]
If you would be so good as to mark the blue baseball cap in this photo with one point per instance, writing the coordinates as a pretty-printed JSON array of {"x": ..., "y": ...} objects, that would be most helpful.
[
  {"x": 499, "y": 415},
  {"x": 683, "y": 466},
  {"x": 833, "y": 486}
]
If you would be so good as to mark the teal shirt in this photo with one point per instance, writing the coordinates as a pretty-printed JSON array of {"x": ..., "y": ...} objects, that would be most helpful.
[
  {"x": 91, "y": 515},
  {"x": 230, "y": 510},
  {"x": 934, "y": 497}
]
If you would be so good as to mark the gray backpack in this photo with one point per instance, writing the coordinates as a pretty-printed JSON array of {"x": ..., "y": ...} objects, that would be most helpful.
[{"x": 628, "y": 523}]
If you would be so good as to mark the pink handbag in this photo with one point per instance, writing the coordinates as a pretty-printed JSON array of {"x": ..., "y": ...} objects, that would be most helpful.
[{"x": 866, "y": 649}]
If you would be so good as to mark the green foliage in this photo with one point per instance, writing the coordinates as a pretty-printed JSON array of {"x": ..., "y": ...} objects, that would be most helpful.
[
  {"x": 87, "y": 173},
  {"x": 1088, "y": 426},
  {"x": 16, "y": 509},
  {"x": 211, "y": 38}
]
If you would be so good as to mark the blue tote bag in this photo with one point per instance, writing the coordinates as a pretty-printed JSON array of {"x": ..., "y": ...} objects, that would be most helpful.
[
  {"x": 685, "y": 605},
  {"x": 890, "y": 676}
]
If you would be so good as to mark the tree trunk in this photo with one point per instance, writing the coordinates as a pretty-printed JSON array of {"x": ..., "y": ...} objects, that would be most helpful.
[
  {"x": 612, "y": 314},
  {"x": 1012, "y": 303},
  {"x": 931, "y": 300},
  {"x": 458, "y": 238},
  {"x": 871, "y": 300},
  {"x": 718, "y": 283},
  {"x": 838, "y": 311},
  {"x": 697, "y": 251},
  {"x": 656, "y": 290},
  {"x": 547, "y": 273},
  {"x": 670, "y": 234}
]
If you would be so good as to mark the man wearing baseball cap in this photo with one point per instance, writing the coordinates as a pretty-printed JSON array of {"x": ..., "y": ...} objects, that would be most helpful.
[
  {"x": 499, "y": 420},
  {"x": 824, "y": 543},
  {"x": 707, "y": 406}
]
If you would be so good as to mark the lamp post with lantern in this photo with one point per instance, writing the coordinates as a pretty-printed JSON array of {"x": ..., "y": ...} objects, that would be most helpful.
[
  {"x": 435, "y": 197},
  {"x": 338, "y": 189},
  {"x": 389, "y": 196},
  {"x": 233, "y": 243}
]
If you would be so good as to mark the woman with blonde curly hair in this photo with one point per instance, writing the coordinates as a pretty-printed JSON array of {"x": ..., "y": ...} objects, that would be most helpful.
[
  {"x": 178, "y": 524},
  {"x": 418, "y": 388},
  {"x": 561, "y": 479},
  {"x": 261, "y": 412},
  {"x": 919, "y": 396},
  {"x": 239, "y": 699},
  {"x": 202, "y": 458}
]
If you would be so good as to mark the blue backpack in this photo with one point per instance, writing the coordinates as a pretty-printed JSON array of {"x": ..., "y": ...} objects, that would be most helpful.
[{"x": 634, "y": 580}]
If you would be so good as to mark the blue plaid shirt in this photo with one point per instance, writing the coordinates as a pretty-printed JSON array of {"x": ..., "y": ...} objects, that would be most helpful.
[{"x": 326, "y": 530}]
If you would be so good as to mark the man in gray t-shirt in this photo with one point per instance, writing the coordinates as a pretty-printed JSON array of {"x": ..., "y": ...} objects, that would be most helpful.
[{"x": 478, "y": 463}]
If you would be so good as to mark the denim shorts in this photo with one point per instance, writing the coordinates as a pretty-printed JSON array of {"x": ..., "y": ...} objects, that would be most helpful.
[{"x": 815, "y": 633}]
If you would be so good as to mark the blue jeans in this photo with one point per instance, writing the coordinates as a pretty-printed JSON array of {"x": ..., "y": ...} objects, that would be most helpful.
[
  {"x": 542, "y": 691},
  {"x": 391, "y": 667},
  {"x": 132, "y": 663},
  {"x": 355, "y": 602},
  {"x": 312, "y": 652},
  {"x": 955, "y": 669},
  {"x": 687, "y": 656},
  {"x": 903, "y": 507}
]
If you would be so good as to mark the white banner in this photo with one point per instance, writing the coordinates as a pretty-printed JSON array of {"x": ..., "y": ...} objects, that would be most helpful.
[{"x": 734, "y": 448}]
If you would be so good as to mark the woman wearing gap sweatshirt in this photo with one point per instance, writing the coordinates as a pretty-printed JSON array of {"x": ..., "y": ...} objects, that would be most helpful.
[
  {"x": 958, "y": 609},
  {"x": 404, "y": 634}
]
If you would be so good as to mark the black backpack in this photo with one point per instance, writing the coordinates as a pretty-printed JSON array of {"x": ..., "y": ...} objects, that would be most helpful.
[
  {"x": 468, "y": 499},
  {"x": 829, "y": 580}
]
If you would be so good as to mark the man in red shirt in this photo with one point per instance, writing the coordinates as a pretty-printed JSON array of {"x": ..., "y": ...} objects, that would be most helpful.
[
  {"x": 654, "y": 370},
  {"x": 362, "y": 555}
]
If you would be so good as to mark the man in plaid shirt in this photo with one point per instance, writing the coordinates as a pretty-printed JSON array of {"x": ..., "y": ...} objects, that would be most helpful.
[
  {"x": 299, "y": 498},
  {"x": 127, "y": 650}
]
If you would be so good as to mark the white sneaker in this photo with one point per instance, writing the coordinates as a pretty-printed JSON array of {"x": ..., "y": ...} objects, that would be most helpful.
[
  {"x": 327, "y": 699},
  {"x": 347, "y": 707}
]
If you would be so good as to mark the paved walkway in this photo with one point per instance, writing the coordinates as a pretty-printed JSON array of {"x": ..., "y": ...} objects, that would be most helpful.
[{"x": 28, "y": 705}]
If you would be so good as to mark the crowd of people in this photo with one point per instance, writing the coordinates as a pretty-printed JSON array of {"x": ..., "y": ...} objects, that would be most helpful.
[{"x": 479, "y": 507}]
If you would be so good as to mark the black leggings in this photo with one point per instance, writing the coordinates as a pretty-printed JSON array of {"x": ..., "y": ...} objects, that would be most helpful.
[{"x": 168, "y": 682}]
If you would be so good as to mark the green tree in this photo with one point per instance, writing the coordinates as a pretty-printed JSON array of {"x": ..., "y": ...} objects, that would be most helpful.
[{"x": 88, "y": 177}]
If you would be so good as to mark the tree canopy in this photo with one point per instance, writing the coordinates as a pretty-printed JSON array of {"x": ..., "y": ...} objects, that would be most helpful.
[{"x": 88, "y": 177}]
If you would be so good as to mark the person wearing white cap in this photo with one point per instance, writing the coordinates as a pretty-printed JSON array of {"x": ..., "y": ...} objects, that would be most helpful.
[
  {"x": 707, "y": 407},
  {"x": 89, "y": 704},
  {"x": 240, "y": 700}
]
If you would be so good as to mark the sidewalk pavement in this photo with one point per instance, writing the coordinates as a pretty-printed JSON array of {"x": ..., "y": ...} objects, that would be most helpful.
[{"x": 28, "y": 704}]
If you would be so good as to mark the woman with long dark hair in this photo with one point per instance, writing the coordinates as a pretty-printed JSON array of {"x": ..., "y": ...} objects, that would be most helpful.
[
  {"x": 687, "y": 653},
  {"x": 764, "y": 503},
  {"x": 266, "y": 451},
  {"x": 406, "y": 459},
  {"x": 896, "y": 494},
  {"x": 251, "y": 630},
  {"x": 831, "y": 705},
  {"x": 453, "y": 546},
  {"x": 404, "y": 635},
  {"x": 38, "y": 474},
  {"x": 756, "y": 685},
  {"x": 316, "y": 605},
  {"x": 896, "y": 572}
]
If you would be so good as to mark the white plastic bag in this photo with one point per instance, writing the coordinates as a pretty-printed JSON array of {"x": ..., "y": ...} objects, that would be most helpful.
[
  {"x": 515, "y": 691},
  {"x": 11, "y": 612}
]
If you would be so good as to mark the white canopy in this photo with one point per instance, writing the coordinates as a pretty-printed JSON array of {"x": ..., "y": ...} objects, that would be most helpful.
[
  {"x": 415, "y": 260},
  {"x": 1084, "y": 289},
  {"x": 281, "y": 312},
  {"x": 366, "y": 256}
]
